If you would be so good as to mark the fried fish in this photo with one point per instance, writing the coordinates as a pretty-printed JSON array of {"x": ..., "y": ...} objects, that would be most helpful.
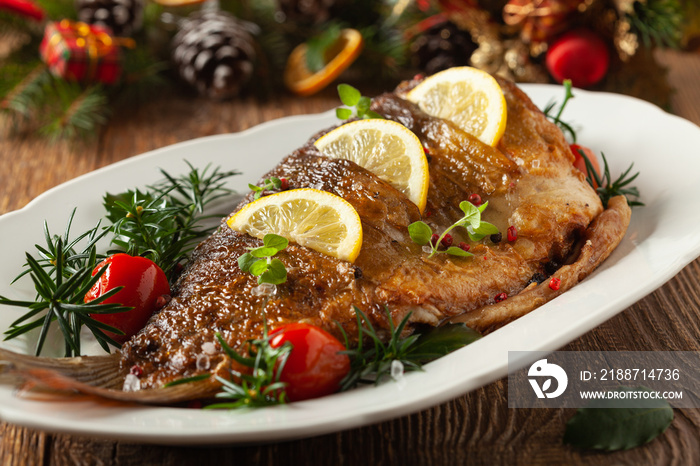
[{"x": 561, "y": 230}]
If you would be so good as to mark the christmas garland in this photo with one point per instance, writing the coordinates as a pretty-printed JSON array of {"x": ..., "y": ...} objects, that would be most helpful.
[{"x": 71, "y": 61}]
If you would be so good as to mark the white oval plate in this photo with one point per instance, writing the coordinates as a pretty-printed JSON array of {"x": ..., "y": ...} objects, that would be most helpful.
[{"x": 662, "y": 238}]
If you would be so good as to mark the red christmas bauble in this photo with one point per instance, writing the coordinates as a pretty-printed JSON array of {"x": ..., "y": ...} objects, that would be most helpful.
[{"x": 579, "y": 55}]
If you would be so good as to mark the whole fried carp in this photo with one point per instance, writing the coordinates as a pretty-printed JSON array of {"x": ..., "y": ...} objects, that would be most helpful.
[{"x": 530, "y": 184}]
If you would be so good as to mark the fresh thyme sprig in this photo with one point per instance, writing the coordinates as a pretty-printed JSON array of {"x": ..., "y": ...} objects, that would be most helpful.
[
  {"x": 372, "y": 363},
  {"x": 352, "y": 98},
  {"x": 164, "y": 223},
  {"x": 606, "y": 187},
  {"x": 260, "y": 388},
  {"x": 268, "y": 185},
  {"x": 556, "y": 119},
  {"x": 477, "y": 229},
  {"x": 260, "y": 263},
  {"x": 62, "y": 276}
]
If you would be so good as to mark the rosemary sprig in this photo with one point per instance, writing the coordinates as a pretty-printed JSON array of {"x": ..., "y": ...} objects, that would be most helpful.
[
  {"x": 260, "y": 263},
  {"x": 372, "y": 363},
  {"x": 606, "y": 187},
  {"x": 556, "y": 119},
  {"x": 62, "y": 276},
  {"x": 163, "y": 223},
  {"x": 477, "y": 229},
  {"x": 262, "y": 387},
  {"x": 352, "y": 98}
]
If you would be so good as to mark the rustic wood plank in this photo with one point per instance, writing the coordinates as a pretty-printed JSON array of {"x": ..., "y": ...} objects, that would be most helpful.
[{"x": 476, "y": 428}]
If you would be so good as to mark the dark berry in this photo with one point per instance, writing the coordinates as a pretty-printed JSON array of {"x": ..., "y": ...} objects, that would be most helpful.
[
  {"x": 446, "y": 241},
  {"x": 284, "y": 184},
  {"x": 475, "y": 199},
  {"x": 434, "y": 239},
  {"x": 512, "y": 233},
  {"x": 496, "y": 238},
  {"x": 500, "y": 297},
  {"x": 136, "y": 370},
  {"x": 464, "y": 246}
]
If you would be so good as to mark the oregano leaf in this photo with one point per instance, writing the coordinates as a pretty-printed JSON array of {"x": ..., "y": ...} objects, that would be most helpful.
[
  {"x": 349, "y": 95},
  {"x": 618, "y": 424},
  {"x": 263, "y": 252},
  {"x": 420, "y": 232},
  {"x": 258, "y": 268},
  {"x": 275, "y": 274},
  {"x": 245, "y": 261},
  {"x": 278, "y": 242},
  {"x": 343, "y": 113},
  {"x": 455, "y": 251}
]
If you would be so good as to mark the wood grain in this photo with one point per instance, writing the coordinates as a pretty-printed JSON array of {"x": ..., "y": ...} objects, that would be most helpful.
[{"x": 477, "y": 428}]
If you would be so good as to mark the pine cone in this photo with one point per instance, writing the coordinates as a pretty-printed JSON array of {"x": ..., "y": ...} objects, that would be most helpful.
[
  {"x": 306, "y": 11},
  {"x": 214, "y": 52},
  {"x": 440, "y": 47},
  {"x": 122, "y": 17}
]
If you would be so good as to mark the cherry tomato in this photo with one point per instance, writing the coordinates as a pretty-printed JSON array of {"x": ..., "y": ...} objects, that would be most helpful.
[
  {"x": 143, "y": 281},
  {"x": 314, "y": 367},
  {"x": 580, "y": 163}
]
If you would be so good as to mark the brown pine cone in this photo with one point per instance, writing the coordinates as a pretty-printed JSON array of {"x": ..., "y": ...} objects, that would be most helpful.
[
  {"x": 215, "y": 53},
  {"x": 122, "y": 17},
  {"x": 440, "y": 47}
]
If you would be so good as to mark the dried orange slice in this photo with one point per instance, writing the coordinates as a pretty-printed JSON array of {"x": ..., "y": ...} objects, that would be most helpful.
[
  {"x": 302, "y": 81},
  {"x": 178, "y": 2}
]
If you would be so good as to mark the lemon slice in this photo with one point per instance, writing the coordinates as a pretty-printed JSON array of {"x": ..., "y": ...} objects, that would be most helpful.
[
  {"x": 300, "y": 80},
  {"x": 470, "y": 98},
  {"x": 386, "y": 148},
  {"x": 316, "y": 219}
]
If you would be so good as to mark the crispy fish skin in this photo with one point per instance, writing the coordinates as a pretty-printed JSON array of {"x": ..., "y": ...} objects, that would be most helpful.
[{"x": 528, "y": 180}]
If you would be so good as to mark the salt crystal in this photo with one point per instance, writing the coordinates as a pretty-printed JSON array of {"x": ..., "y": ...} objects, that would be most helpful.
[
  {"x": 203, "y": 363},
  {"x": 209, "y": 347},
  {"x": 427, "y": 249},
  {"x": 397, "y": 373},
  {"x": 131, "y": 383},
  {"x": 264, "y": 289}
]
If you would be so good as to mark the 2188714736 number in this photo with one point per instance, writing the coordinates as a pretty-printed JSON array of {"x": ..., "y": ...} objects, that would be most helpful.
[{"x": 639, "y": 374}]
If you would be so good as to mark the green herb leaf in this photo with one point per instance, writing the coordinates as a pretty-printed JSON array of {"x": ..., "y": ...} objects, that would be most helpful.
[
  {"x": 439, "y": 341},
  {"x": 616, "y": 425},
  {"x": 278, "y": 242},
  {"x": 353, "y": 98},
  {"x": 269, "y": 184},
  {"x": 275, "y": 274},
  {"x": 455, "y": 251},
  {"x": 477, "y": 229},
  {"x": 258, "y": 261},
  {"x": 420, "y": 232},
  {"x": 483, "y": 230},
  {"x": 263, "y": 252},
  {"x": 246, "y": 261},
  {"x": 258, "y": 268},
  {"x": 343, "y": 113},
  {"x": 349, "y": 95}
]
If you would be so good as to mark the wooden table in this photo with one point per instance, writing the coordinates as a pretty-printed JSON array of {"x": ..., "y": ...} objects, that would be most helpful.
[{"x": 475, "y": 428}]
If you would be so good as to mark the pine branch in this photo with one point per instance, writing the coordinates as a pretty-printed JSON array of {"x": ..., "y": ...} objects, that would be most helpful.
[
  {"x": 77, "y": 110},
  {"x": 657, "y": 22},
  {"x": 21, "y": 97}
]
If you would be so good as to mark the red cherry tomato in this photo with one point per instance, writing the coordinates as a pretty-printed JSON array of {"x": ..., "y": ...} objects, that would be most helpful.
[
  {"x": 143, "y": 281},
  {"x": 314, "y": 367},
  {"x": 580, "y": 163}
]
